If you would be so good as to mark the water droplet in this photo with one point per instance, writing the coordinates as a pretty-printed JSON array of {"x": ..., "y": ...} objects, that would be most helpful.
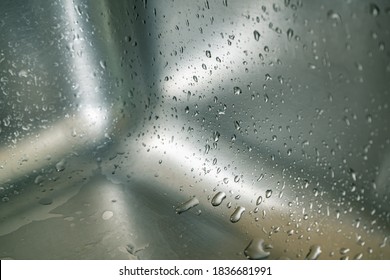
[
  {"x": 60, "y": 166},
  {"x": 187, "y": 205},
  {"x": 314, "y": 252},
  {"x": 268, "y": 193},
  {"x": 216, "y": 136},
  {"x": 236, "y": 178},
  {"x": 208, "y": 54},
  {"x": 103, "y": 64},
  {"x": 45, "y": 201},
  {"x": 259, "y": 200},
  {"x": 256, "y": 250},
  {"x": 237, "y": 125},
  {"x": 237, "y": 90},
  {"x": 107, "y": 215},
  {"x": 358, "y": 256},
  {"x": 195, "y": 78},
  {"x": 290, "y": 232},
  {"x": 353, "y": 174},
  {"x": 225, "y": 180},
  {"x": 260, "y": 177},
  {"x": 187, "y": 110},
  {"x": 236, "y": 216},
  {"x": 290, "y": 33},
  {"x": 256, "y": 34},
  {"x": 225, "y": 3},
  {"x": 39, "y": 179},
  {"x": 332, "y": 15},
  {"x": 218, "y": 198},
  {"x": 344, "y": 251},
  {"x": 206, "y": 148},
  {"x": 374, "y": 10}
]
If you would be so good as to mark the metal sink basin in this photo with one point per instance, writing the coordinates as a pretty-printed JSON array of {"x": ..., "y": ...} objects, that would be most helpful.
[{"x": 194, "y": 129}]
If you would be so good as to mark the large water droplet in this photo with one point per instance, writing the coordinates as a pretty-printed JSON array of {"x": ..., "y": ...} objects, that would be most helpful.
[
  {"x": 255, "y": 250},
  {"x": 187, "y": 205},
  {"x": 314, "y": 252},
  {"x": 236, "y": 216},
  {"x": 218, "y": 198}
]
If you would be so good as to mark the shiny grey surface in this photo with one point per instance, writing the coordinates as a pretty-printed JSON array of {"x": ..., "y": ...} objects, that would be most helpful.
[{"x": 114, "y": 113}]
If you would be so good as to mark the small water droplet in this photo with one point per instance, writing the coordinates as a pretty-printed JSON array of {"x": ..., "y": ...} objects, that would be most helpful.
[
  {"x": 290, "y": 34},
  {"x": 103, "y": 64},
  {"x": 237, "y": 90},
  {"x": 45, "y": 201},
  {"x": 225, "y": 180},
  {"x": 332, "y": 15},
  {"x": 187, "y": 205},
  {"x": 187, "y": 110},
  {"x": 195, "y": 78},
  {"x": 314, "y": 252},
  {"x": 344, "y": 251},
  {"x": 206, "y": 148},
  {"x": 218, "y": 198},
  {"x": 374, "y": 9},
  {"x": 290, "y": 232},
  {"x": 268, "y": 193},
  {"x": 353, "y": 174},
  {"x": 256, "y": 250},
  {"x": 256, "y": 34},
  {"x": 60, "y": 166},
  {"x": 237, "y": 125},
  {"x": 236, "y": 216},
  {"x": 259, "y": 200},
  {"x": 358, "y": 256},
  {"x": 107, "y": 215},
  {"x": 208, "y": 54},
  {"x": 39, "y": 179},
  {"x": 236, "y": 178},
  {"x": 216, "y": 136}
]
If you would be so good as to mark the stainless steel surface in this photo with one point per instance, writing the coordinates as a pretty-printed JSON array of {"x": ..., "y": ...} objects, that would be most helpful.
[{"x": 115, "y": 113}]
